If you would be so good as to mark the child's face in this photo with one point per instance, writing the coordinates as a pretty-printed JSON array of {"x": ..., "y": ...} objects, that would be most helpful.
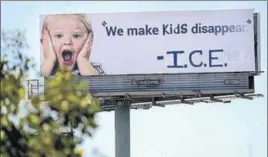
[{"x": 68, "y": 35}]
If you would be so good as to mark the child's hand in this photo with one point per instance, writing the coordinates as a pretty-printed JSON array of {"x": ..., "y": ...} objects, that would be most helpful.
[
  {"x": 85, "y": 68},
  {"x": 49, "y": 54},
  {"x": 86, "y": 50},
  {"x": 48, "y": 49}
]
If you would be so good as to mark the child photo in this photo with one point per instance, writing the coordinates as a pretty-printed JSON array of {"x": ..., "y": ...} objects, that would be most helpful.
[{"x": 66, "y": 41}]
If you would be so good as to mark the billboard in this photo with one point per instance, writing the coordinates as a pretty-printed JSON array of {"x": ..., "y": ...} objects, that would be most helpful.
[{"x": 168, "y": 42}]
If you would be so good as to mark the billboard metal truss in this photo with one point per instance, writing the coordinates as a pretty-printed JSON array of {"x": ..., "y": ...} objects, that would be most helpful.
[
  {"x": 215, "y": 92},
  {"x": 146, "y": 91}
]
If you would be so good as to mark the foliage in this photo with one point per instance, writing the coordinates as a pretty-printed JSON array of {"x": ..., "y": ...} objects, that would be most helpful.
[{"x": 38, "y": 132}]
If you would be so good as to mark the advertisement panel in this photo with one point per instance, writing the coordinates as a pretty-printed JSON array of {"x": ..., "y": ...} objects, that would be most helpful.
[{"x": 148, "y": 42}]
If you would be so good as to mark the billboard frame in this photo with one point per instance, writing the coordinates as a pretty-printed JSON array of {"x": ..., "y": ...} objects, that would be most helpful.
[{"x": 253, "y": 65}]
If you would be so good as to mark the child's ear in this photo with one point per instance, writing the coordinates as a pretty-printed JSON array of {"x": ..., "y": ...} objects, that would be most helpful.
[
  {"x": 42, "y": 36},
  {"x": 43, "y": 33},
  {"x": 90, "y": 35}
]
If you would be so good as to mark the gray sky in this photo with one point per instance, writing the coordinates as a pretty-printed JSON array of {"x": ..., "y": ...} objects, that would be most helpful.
[{"x": 203, "y": 130}]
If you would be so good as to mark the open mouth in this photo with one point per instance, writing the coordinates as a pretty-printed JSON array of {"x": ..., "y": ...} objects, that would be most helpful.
[{"x": 67, "y": 55}]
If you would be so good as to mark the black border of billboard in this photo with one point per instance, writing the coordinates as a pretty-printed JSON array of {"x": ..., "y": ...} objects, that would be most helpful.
[{"x": 257, "y": 42}]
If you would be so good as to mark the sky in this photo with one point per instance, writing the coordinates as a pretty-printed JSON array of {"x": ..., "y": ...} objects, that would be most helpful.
[{"x": 201, "y": 130}]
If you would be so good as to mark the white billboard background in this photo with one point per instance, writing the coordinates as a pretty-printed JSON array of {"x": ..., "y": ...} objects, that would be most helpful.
[{"x": 137, "y": 54}]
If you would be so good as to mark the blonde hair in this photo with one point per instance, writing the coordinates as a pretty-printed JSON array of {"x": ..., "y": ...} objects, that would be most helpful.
[{"x": 82, "y": 17}]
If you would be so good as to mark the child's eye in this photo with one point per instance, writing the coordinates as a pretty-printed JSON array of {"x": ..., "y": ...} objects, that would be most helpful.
[
  {"x": 58, "y": 35},
  {"x": 76, "y": 35}
]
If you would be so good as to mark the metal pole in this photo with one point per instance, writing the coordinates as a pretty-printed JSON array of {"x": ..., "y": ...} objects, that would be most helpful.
[{"x": 122, "y": 129}]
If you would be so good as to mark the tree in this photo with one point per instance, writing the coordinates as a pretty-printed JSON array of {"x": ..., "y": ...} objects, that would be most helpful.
[{"x": 64, "y": 102}]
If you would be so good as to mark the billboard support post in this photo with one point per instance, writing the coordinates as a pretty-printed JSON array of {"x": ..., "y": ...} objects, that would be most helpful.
[{"x": 122, "y": 129}]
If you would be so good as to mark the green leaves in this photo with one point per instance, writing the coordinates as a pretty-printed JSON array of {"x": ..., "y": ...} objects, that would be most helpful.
[{"x": 39, "y": 131}]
